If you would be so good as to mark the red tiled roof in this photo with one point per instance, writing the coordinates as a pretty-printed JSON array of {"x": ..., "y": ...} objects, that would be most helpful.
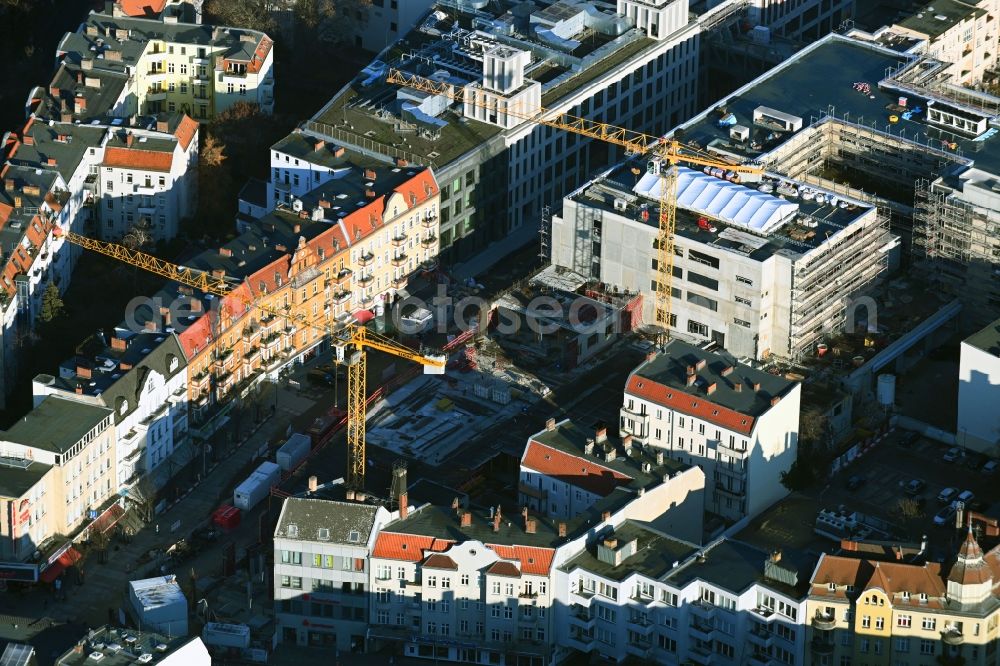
[
  {"x": 141, "y": 8},
  {"x": 367, "y": 219},
  {"x": 186, "y": 130},
  {"x": 574, "y": 470},
  {"x": 534, "y": 560},
  {"x": 407, "y": 547},
  {"x": 503, "y": 568},
  {"x": 133, "y": 158},
  {"x": 890, "y": 577},
  {"x": 692, "y": 405},
  {"x": 195, "y": 338},
  {"x": 438, "y": 561}
]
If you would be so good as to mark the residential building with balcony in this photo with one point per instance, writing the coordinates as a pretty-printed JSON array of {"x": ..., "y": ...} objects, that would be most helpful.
[
  {"x": 862, "y": 610},
  {"x": 740, "y": 425},
  {"x": 634, "y": 65},
  {"x": 143, "y": 378},
  {"x": 566, "y": 470},
  {"x": 638, "y": 593},
  {"x": 962, "y": 34},
  {"x": 120, "y": 67},
  {"x": 60, "y": 459},
  {"x": 148, "y": 180},
  {"x": 322, "y": 592}
]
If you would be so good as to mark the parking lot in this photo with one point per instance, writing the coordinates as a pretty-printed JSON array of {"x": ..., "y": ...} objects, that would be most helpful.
[{"x": 885, "y": 472}]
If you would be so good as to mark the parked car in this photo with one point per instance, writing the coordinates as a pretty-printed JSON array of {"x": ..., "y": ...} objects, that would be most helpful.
[
  {"x": 990, "y": 467},
  {"x": 944, "y": 515},
  {"x": 855, "y": 482},
  {"x": 966, "y": 496},
  {"x": 915, "y": 486},
  {"x": 952, "y": 454},
  {"x": 947, "y": 495}
]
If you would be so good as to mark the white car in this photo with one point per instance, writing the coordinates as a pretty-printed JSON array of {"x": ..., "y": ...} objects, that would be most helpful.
[
  {"x": 947, "y": 495},
  {"x": 990, "y": 467},
  {"x": 952, "y": 454}
]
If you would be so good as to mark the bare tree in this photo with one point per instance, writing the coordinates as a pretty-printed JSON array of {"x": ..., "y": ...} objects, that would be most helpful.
[
  {"x": 251, "y": 14},
  {"x": 814, "y": 426},
  {"x": 99, "y": 542},
  {"x": 908, "y": 508},
  {"x": 139, "y": 236}
]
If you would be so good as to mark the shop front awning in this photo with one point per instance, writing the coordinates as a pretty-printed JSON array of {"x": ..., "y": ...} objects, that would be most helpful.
[{"x": 65, "y": 561}]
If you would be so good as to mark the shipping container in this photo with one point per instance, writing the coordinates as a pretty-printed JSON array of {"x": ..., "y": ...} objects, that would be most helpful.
[
  {"x": 293, "y": 451},
  {"x": 249, "y": 493}
]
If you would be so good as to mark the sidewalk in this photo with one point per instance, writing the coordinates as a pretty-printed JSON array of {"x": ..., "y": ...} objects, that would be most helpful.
[{"x": 105, "y": 583}]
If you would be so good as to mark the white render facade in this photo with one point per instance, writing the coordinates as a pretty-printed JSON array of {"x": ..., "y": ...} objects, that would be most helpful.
[
  {"x": 743, "y": 439},
  {"x": 679, "y": 614},
  {"x": 979, "y": 391},
  {"x": 322, "y": 572},
  {"x": 756, "y": 294}
]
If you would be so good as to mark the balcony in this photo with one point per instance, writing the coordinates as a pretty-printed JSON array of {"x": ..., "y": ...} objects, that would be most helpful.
[
  {"x": 703, "y": 610},
  {"x": 156, "y": 94},
  {"x": 365, "y": 280},
  {"x": 644, "y": 599},
  {"x": 952, "y": 636},
  {"x": 761, "y": 659},
  {"x": 639, "y": 647},
  {"x": 580, "y": 616},
  {"x": 821, "y": 647},
  {"x": 342, "y": 277},
  {"x": 156, "y": 71},
  {"x": 700, "y": 655},
  {"x": 400, "y": 282},
  {"x": 729, "y": 492},
  {"x": 429, "y": 222},
  {"x": 580, "y": 639},
  {"x": 399, "y": 240},
  {"x": 341, "y": 297},
  {"x": 640, "y": 624},
  {"x": 702, "y": 632},
  {"x": 429, "y": 240},
  {"x": 399, "y": 259},
  {"x": 824, "y": 621},
  {"x": 366, "y": 259},
  {"x": 761, "y": 637}
]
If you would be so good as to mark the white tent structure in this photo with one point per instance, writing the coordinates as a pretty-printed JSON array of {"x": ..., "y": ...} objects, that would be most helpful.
[{"x": 730, "y": 203}]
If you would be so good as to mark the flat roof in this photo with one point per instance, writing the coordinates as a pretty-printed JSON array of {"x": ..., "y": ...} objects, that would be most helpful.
[
  {"x": 56, "y": 424},
  {"x": 157, "y": 592},
  {"x": 988, "y": 339},
  {"x": 18, "y": 476},
  {"x": 939, "y": 16},
  {"x": 657, "y": 554},
  {"x": 805, "y": 228},
  {"x": 818, "y": 81},
  {"x": 118, "y": 647},
  {"x": 735, "y": 566}
]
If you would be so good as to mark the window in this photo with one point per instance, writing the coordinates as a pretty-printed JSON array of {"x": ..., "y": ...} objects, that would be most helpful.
[
  {"x": 743, "y": 301},
  {"x": 903, "y": 644},
  {"x": 866, "y": 622},
  {"x": 702, "y": 258},
  {"x": 928, "y": 624},
  {"x": 880, "y": 623},
  {"x": 697, "y": 327},
  {"x": 741, "y": 322},
  {"x": 744, "y": 280},
  {"x": 703, "y": 301},
  {"x": 432, "y": 581},
  {"x": 926, "y": 646},
  {"x": 702, "y": 280},
  {"x": 903, "y": 621},
  {"x": 464, "y": 579}
]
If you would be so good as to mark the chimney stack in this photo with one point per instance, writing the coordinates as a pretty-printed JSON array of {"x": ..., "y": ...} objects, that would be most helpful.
[
  {"x": 601, "y": 435},
  {"x": 775, "y": 400},
  {"x": 611, "y": 543},
  {"x": 79, "y": 389},
  {"x": 319, "y": 144},
  {"x": 650, "y": 355},
  {"x": 738, "y": 386},
  {"x": 550, "y": 424},
  {"x": 726, "y": 371},
  {"x": 455, "y": 504},
  {"x": 313, "y": 484},
  {"x": 711, "y": 388},
  {"x": 627, "y": 440},
  {"x": 466, "y": 519},
  {"x": 339, "y": 151},
  {"x": 129, "y": 139},
  {"x": 83, "y": 370},
  {"x": 530, "y": 526},
  {"x": 496, "y": 520},
  {"x": 690, "y": 370},
  {"x": 370, "y": 174},
  {"x": 605, "y": 516},
  {"x": 404, "y": 507},
  {"x": 225, "y": 252},
  {"x": 776, "y": 556},
  {"x": 691, "y": 379},
  {"x": 117, "y": 344},
  {"x": 562, "y": 529},
  {"x": 349, "y": 496},
  {"x": 659, "y": 457},
  {"x": 588, "y": 448},
  {"x": 700, "y": 365},
  {"x": 756, "y": 386}
]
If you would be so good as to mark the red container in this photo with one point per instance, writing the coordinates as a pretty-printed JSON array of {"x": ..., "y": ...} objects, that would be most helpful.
[{"x": 227, "y": 517}]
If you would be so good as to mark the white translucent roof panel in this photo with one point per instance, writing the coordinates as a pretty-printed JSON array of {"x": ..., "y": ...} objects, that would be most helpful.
[{"x": 731, "y": 203}]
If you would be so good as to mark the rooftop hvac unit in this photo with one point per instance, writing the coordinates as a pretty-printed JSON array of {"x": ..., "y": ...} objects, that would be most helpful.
[
  {"x": 739, "y": 133},
  {"x": 317, "y": 214},
  {"x": 297, "y": 205},
  {"x": 621, "y": 205}
]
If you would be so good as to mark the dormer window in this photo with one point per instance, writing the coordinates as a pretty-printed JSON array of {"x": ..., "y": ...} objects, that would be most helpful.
[
  {"x": 323, "y": 534},
  {"x": 292, "y": 531},
  {"x": 355, "y": 537},
  {"x": 906, "y": 596},
  {"x": 923, "y": 597},
  {"x": 832, "y": 587}
]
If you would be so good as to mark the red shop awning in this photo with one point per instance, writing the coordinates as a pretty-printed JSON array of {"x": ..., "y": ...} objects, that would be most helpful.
[{"x": 54, "y": 570}]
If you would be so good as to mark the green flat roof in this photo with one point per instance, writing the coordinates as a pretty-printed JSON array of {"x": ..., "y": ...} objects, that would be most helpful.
[
  {"x": 56, "y": 424},
  {"x": 657, "y": 554}
]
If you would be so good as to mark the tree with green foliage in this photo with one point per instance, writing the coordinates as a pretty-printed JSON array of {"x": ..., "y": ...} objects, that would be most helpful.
[{"x": 52, "y": 305}]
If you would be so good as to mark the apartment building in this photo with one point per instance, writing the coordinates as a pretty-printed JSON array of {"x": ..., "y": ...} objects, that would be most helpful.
[
  {"x": 979, "y": 391},
  {"x": 148, "y": 179},
  {"x": 121, "y": 67},
  {"x": 866, "y": 611},
  {"x": 565, "y": 472},
  {"x": 381, "y": 22},
  {"x": 639, "y": 593},
  {"x": 76, "y": 442},
  {"x": 322, "y": 580},
  {"x": 962, "y": 34},
  {"x": 143, "y": 378},
  {"x": 343, "y": 249},
  {"x": 497, "y": 173},
  {"x": 740, "y": 425}
]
